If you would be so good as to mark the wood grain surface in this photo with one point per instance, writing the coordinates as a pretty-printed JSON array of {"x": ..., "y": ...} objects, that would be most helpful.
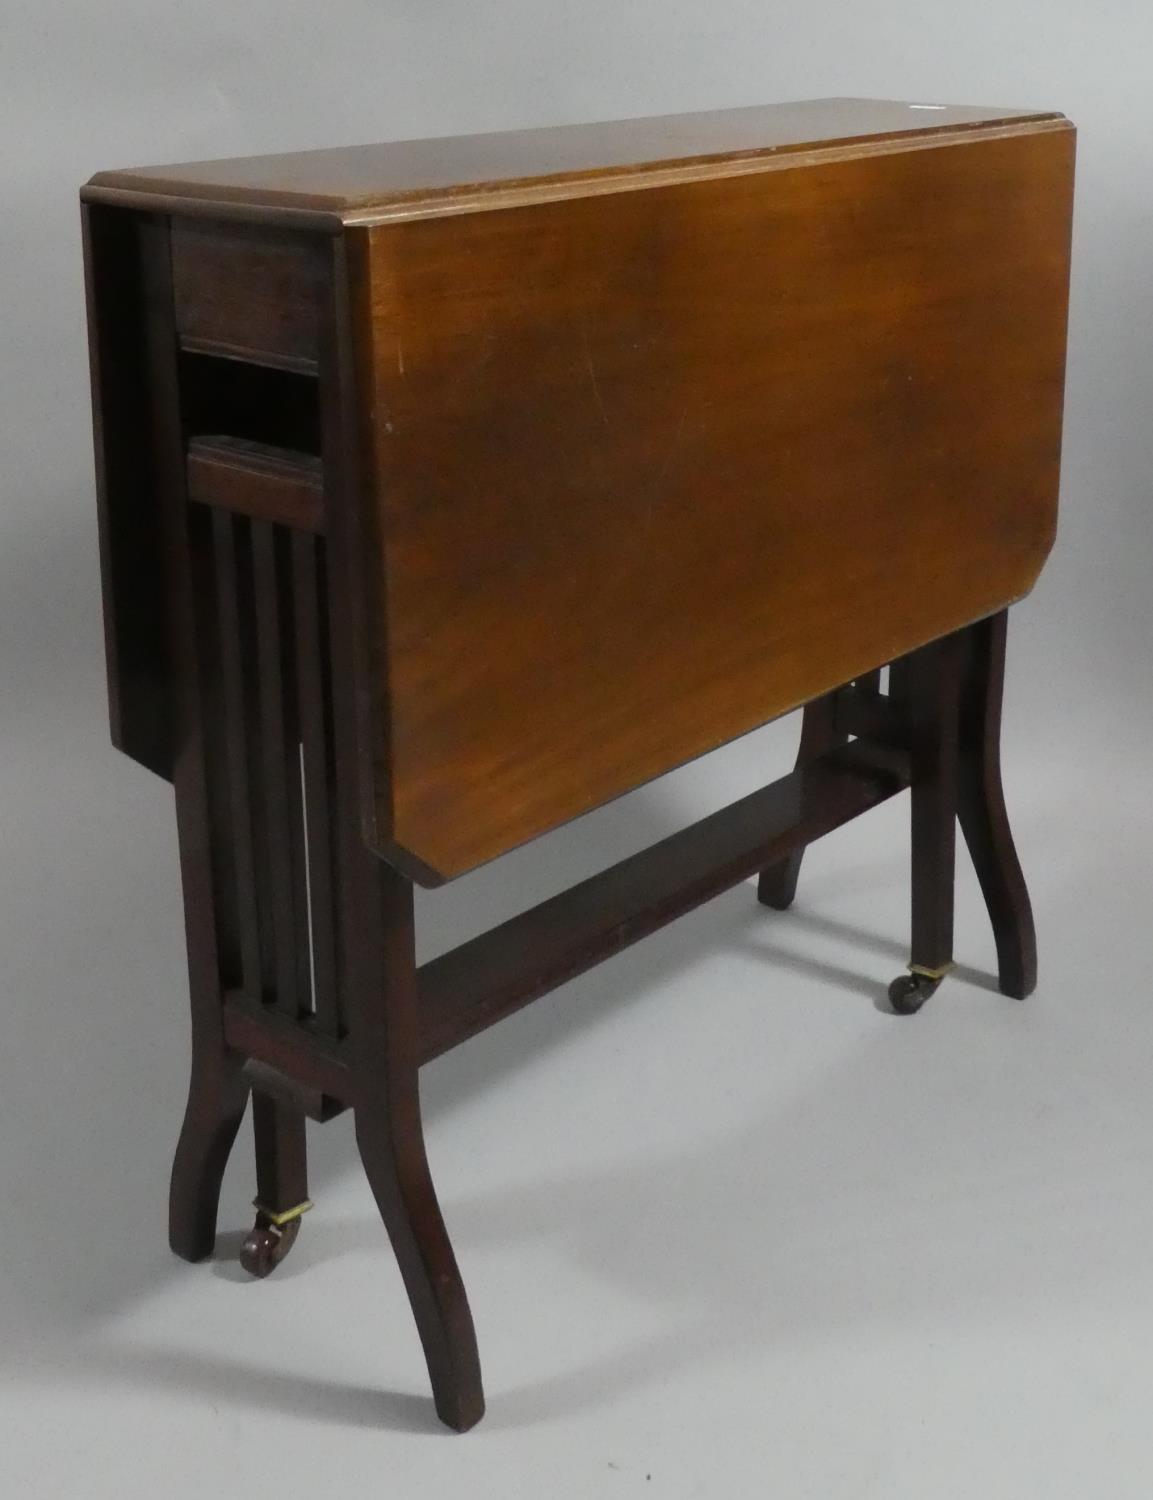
[
  {"x": 652, "y": 468},
  {"x": 454, "y": 174}
]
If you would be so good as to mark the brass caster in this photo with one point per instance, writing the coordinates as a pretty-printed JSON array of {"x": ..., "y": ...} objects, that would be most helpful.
[
  {"x": 908, "y": 992},
  {"x": 270, "y": 1240}
]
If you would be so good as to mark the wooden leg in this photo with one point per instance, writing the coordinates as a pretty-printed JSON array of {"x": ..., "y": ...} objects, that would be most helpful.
[
  {"x": 375, "y": 921},
  {"x": 281, "y": 1183},
  {"x": 777, "y": 885},
  {"x": 217, "y": 1091},
  {"x": 392, "y": 1150},
  {"x": 217, "y": 1097},
  {"x": 984, "y": 821},
  {"x": 390, "y": 1138},
  {"x": 927, "y": 685}
]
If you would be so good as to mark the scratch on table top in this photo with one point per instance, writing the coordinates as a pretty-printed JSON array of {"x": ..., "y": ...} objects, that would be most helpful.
[{"x": 593, "y": 375}]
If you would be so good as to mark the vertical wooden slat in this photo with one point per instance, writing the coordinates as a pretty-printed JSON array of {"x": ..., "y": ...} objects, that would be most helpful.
[
  {"x": 281, "y": 1154},
  {"x": 253, "y": 722},
  {"x": 927, "y": 684},
  {"x": 237, "y": 747},
  {"x": 280, "y": 757},
  {"x": 314, "y": 707},
  {"x": 217, "y": 1092},
  {"x": 981, "y": 807},
  {"x": 204, "y": 578}
]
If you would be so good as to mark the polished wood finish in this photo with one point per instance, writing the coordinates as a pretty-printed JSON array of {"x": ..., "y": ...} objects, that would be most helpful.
[
  {"x": 318, "y": 767},
  {"x": 486, "y": 979},
  {"x": 356, "y": 185},
  {"x": 820, "y": 733},
  {"x": 141, "y": 696},
  {"x": 316, "y": 1064},
  {"x": 257, "y": 480},
  {"x": 940, "y": 238},
  {"x": 376, "y": 936},
  {"x": 928, "y": 686},
  {"x": 217, "y": 1092},
  {"x": 981, "y": 808},
  {"x": 424, "y": 529},
  {"x": 281, "y": 1183},
  {"x": 640, "y": 393},
  {"x": 247, "y": 293}
]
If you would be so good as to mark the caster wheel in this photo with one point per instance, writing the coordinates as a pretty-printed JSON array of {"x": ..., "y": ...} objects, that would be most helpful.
[
  {"x": 267, "y": 1245},
  {"x": 908, "y": 992}
]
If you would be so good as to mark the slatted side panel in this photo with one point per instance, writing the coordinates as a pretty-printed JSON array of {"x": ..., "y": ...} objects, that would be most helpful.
[
  {"x": 265, "y": 655},
  {"x": 318, "y": 760}
]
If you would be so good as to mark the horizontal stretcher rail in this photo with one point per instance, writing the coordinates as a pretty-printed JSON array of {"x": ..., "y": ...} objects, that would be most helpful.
[
  {"x": 257, "y": 480},
  {"x": 482, "y": 981},
  {"x": 281, "y": 1042}
]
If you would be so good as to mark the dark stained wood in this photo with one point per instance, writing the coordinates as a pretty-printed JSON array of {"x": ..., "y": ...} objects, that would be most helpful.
[
  {"x": 238, "y": 751},
  {"x": 136, "y": 636},
  {"x": 699, "y": 421},
  {"x": 281, "y": 1159},
  {"x": 486, "y": 979},
  {"x": 684, "y": 459},
  {"x": 283, "y": 880},
  {"x": 376, "y": 935},
  {"x": 314, "y": 698},
  {"x": 246, "y": 293},
  {"x": 826, "y": 722},
  {"x": 217, "y": 1091},
  {"x": 252, "y": 719},
  {"x": 306, "y": 1100},
  {"x": 984, "y": 820},
  {"x": 777, "y": 884},
  {"x": 281, "y": 1183},
  {"x": 227, "y": 897},
  {"x": 865, "y": 711},
  {"x": 257, "y": 480},
  {"x": 228, "y": 398},
  {"x": 398, "y": 179}
]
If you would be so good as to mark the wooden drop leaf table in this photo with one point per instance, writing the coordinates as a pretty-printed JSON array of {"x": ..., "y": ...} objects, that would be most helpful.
[{"x": 449, "y": 489}]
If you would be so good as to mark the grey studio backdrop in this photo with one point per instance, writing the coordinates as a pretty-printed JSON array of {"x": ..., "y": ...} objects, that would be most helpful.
[{"x": 849, "y": 1255}]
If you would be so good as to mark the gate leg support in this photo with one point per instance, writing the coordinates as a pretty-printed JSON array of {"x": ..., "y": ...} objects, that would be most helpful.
[
  {"x": 984, "y": 820},
  {"x": 281, "y": 1184},
  {"x": 927, "y": 684},
  {"x": 777, "y": 885}
]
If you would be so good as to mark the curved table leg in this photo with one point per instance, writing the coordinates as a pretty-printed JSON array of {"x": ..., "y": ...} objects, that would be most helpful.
[
  {"x": 984, "y": 820},
  {"x": 777, "y": 885},
  {"x": 391, "y": 1144},
  {"x": 217, "y": 1097},
  {"x": 384, "y": 1028}
]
